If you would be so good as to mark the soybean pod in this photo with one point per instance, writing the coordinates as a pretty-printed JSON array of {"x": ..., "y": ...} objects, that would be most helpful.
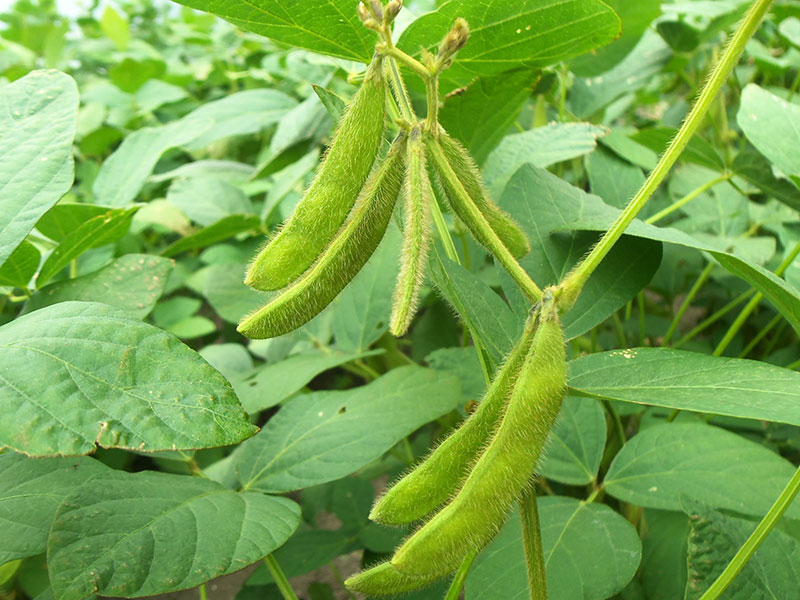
[
  {"x": 383, "y": 580},
  {"x": 505, "y": 467},
  {"x": 332, "y": 193},
  {"x": 468, "y": 174},
  {"x": 341, "y": 260},
  {"x": 418, "y": 197},
  {"x": 466, "y": 209},
  {"x": 434, "y": 481}
]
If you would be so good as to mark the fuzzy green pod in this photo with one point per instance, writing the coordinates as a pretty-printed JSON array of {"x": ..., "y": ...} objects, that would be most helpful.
[
  {"x": 341, "y": 260},
  {"x": 433, "y": 482},
  {"x": 467, "y": 171},
  {"x": 384, "y": 580},
  {"x": 417, "y": 200},
  {"x": 332, "y": 194},
  {"x": 505, "y": 467}
]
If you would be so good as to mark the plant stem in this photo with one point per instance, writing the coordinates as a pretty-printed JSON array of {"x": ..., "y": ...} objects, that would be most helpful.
[
  {"x": 699, "y": 282},
  {"x": 707, "y": 322},
  {"x": 454, "y": 592},
  {"x": 687, "y": 198},
  {"x": 203, "y": 591},
  {"x": 400, "y": 91},
  {"x": 280, "y": 578},
  {"x": 751, "y": 306},
  {"x": 640, "y": 306},
  {"x": 756, "y": 538},
  {"x": 432, "y": 97},
  {"x": 574, "y": 282},
  {"x": 532, "y": 541},
  {"x": 761, "y": 335}
]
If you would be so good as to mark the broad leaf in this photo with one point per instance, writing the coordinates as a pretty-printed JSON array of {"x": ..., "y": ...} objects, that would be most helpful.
[
  {"x": 65, "y": 217},
  {"x": 510, "y": 35},
  {"x": 106, "y": 379},
  {"x": 97, "y": 231},
  {"x": 540, "y": 147},
  {"x": 590, "y": 552},
  {"x": 37, "y": 126},
  {"x": 326, "y": 435},
  {"x": 31, "y": 491},
  {"x": 482, "y": 113},
  {"x": 273, "y": 383},
  {"x": 576, "y": 443},
  {"x": 663, "y": 463},
  {"x": 773, "y": 126},
  {"x": 772, "y": 572},
  {"x": 663, "y": 570},
  {"x": 330, "y": 27},
  {"x": 133, "y": 283},
  {"x": 219, "y": 231},
  {"x": 544, "y": 206},
  {"x": 138, "y": 534},
  {"x": 21, "y": 265},
  {"x": 690, "y": 381},
  {"x": 206, "y": 199}
]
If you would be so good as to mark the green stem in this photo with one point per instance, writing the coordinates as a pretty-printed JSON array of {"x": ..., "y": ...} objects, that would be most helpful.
[
  {"x": 432, "y": 97},
  {"x": 280, "y": 578},
  {"x": 755, "y": 540},
  {"x": 687, "y": 198},
  {"x": 532, "y": 541},
  {"x": 761, "y": 335},
  {"x": 203, "y": 591},
  {"x": 454, "y": 592},
  {"x": 620, "y": 331},
  {"x": 751, "y": 306},
  {"x": 640, "y": 306},
  {"x": 409, "y": 61},
  {"x": 700, "y": 282},
  {"x": 572, "y": 285},
  {"x": 618, "y": 427},
  {"x": 707, "y": 322},
  {"x": 400, "y": 92}
]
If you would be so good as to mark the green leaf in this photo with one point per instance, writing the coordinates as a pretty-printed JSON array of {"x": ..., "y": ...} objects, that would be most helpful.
[
  {"x": 328, "y": 27},
  {"x": 206, "y": 199},
  {"x": 590, "y": 552},
  {"x": 773, "y": 126},
  {"x": 132, "y": 283},
  {"x": 219, "y": 231},
  {"x": 772, "y": 572},
  {"x": 576, "y": 443},
  {"x": 663, "y": 570},
  {"x": 65, "y": 217},
  {"x": 37, "y": 126},
  {"x": 485, "y": 312},
  {"x": 305, "y": 551},
  {"x": 611, "y": 178},
  {"x": 544, "y": 205},
  {"x": 361, "y": 311},
  {"x": 636, "y": 17},
  {"x": 21, "y": 265},
  {"x": 333, "y": 103},
  {"x": 540, "y": 147},
  {"x": 676, "y": 379},
  {"x": 124, "y": 172},
  {"x": 227, "y": 294},
  {"x": 510, "y": 35},
  {"x": 97, "y": 231},
  {"x": 753, "y": 167},
  {"x": 116, "y": 28},
  {"x": 326, "y": 435},
  {"x": 698, "y": 151},
  {"x": 130, "y": 74},
  {"x": 482, "y": 113},
  {"x": 271, "y": 384},
  {"x": 138, "y": 534},
  {"x": 589, "y": 95},
  {"x": 106, "y": 379},
  {"x": 662, "y": 463},
  {"x": 32, "y": 490}
]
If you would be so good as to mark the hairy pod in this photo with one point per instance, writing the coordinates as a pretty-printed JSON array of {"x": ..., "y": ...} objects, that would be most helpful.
[
  {"x": 467, "y": 171},
  {"x": 417, "y": 200},
  {"x": 383, "y": 580},
  {"x": 433, "y": 482},
  {"x": 504, "y": 468},
  {"x": 341, "y": 260},
  {"x": 332, "y": 193}
]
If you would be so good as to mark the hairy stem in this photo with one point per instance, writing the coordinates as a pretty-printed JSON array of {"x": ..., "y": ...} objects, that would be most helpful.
[
  {"x": 571, "y": 287},
  {"x": 532, "y": 541}
]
